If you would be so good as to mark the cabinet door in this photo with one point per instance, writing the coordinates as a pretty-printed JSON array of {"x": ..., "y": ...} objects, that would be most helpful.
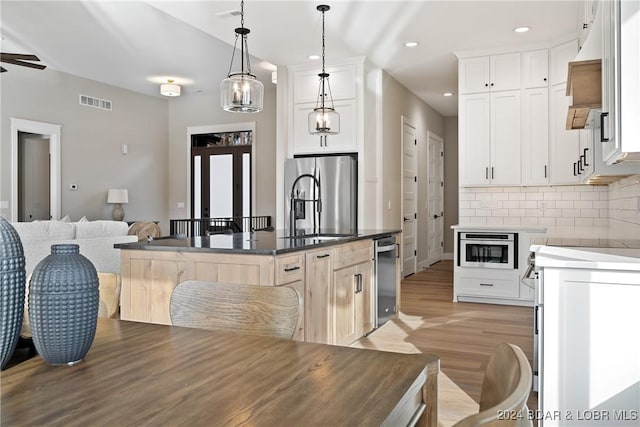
[
  {"x": 535, "y": 136},
  {"x": 610, "y": 79},
  {"x": 505, "y": 72},
  {"x": 342, "y": 80},
  {"x": 343, "y": 306},
  {"x": 474, "y": 156},
  {"x": 364, "y": 299},
  {"x": 564, "y": 144},
  {"x": 345, "y": 141},
  {"x": 473, "y": 75},
  {"x": 505, "y": 138},
  {"x": 318, "y": 277},
  {"x": 561, "y": 55},
  {"x": 535, "y": 68}
]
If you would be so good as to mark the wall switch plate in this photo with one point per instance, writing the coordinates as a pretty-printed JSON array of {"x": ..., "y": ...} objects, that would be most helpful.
[{"x": 180, "y": 205}]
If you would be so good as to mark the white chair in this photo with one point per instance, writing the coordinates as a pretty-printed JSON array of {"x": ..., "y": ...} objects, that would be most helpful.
[
  {"x": 259, "y": 310},
  {"x": 505, "y": 390}
]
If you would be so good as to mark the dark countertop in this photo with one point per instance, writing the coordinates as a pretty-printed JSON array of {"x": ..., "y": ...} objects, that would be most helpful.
[{"x": 257, "y": 243}]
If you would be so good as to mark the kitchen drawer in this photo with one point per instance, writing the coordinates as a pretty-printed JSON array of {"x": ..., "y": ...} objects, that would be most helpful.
[
  {"x": 289, "y": 268},
  {"x": 352, "y": 254},
  {"x": 488, "y": 284}
]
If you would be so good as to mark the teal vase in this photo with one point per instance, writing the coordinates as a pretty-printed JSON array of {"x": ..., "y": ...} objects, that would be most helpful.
[
  {"x": 12, "y": 289},
  {"x": 63, "y": 305}
]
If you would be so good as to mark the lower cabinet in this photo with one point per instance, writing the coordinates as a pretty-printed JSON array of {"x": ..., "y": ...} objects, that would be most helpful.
[
  {"x": 318, "y": 275},
  {"x": 351, "y": 300}
]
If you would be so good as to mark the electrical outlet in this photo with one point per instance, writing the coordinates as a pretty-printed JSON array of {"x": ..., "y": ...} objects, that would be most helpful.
[{"x": 180, "y": 205}]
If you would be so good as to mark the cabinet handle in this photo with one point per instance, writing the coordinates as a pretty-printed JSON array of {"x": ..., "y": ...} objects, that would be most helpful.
[
  {"x": 585, "y": 156},
  {"x": 602, "y": 116},
  {"x": 398, "y": 250},
  {"x": 287, "y": 269},
  {"x": 358, "y": 278},
  {"x": 491, "y": 172},
  {"x": 579, "y": 167},
  {"x": 491, "y": 84},
  {"x": 545, "y": 79},
  {"x": 322, "y": 256},
  {"x": 581, "y": 163},
  {"x": 486, "y": 173},
  {"x": 486, "y": 284},
  {"x": 486, "y": 85},
  {"x": 574, "y": 169},
  {"x": 545, "y": 171}
]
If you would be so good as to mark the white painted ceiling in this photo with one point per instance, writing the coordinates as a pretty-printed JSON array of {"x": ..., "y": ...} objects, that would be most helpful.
[{"x": 137, "y": 45}]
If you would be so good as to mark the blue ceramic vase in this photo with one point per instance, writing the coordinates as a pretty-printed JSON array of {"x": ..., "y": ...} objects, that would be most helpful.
[
  {"x": 63, "y": 305},
  {"x": 12, "y": 289}
]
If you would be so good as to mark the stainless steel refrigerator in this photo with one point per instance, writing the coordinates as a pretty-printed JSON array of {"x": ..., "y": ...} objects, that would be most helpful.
[{"x": 328, "y": 182}]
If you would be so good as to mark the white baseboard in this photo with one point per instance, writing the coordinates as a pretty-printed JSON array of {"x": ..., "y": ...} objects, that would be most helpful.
[
  {"x": 447, "y": 255},
  {"x": 423, "y": 264}
]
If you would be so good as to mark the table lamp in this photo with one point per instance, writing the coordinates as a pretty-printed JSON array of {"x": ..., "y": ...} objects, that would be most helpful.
[{"x": 118, "y": 196}]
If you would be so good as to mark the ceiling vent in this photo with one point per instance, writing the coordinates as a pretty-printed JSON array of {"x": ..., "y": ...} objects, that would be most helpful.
[
  {"x": 228, "y": 13},
  {"x": 91, "y": 101}
]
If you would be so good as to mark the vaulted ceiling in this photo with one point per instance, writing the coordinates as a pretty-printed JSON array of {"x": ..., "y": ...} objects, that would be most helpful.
[{"x": 137, "y": 45}]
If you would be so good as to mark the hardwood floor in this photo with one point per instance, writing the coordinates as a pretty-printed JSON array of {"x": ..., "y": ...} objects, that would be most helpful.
[{"x": 463, "y": 335}]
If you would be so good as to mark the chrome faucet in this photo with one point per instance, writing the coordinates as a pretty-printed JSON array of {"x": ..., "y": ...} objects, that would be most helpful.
[{"x": 296, "y": 203}]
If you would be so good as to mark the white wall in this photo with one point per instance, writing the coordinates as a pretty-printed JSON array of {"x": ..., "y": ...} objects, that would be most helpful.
[
  {"x": 624, "y": 208},
  {"x": 450, "y": 181},
  {"x": 90, "y": 142},
  {"x": 204, "y": 110},
  {"x": 398, "y": 101}
]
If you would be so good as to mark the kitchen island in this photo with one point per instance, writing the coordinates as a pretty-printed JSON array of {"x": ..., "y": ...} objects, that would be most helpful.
[{"x": 332, "y": 274}]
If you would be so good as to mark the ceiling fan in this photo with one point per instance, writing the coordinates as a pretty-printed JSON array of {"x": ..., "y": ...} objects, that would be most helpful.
[{"x": 20, "y": 59}]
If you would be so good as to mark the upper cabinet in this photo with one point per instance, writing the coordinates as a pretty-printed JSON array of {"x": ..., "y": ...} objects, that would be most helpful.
[
  {"x": 489, "y": 73},
  {"x": 535, "y": 68},
  {"x": 344, "y": 81},
  {"x": 561, "y": 55},
  {"x": 620, "y": 127}
]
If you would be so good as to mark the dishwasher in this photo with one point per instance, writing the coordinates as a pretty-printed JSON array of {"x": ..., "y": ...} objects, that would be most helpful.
[{"x": 385, "y": 273}]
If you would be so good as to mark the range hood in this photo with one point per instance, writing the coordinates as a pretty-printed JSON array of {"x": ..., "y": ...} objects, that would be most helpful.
[{"x": 584, "y": 85}]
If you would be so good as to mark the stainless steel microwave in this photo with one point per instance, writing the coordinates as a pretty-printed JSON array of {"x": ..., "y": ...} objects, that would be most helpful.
[{"x": 488, "y": 250}]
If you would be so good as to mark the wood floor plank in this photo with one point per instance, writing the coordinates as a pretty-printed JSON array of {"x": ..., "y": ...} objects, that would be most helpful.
[{"x": 463, "y": 334}]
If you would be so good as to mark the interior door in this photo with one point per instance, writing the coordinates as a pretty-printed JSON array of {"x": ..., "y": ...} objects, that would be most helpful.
[
  {"x": 435, "y": 199},
  {"x": 34, "y": 181},
  {"x": 409, "y": 198}
]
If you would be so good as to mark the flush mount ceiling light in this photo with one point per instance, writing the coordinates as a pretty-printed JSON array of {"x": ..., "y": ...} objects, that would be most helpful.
[
  {"x": 521, "y": 29},
  {"x": 241, "y": 92},
  {"x": 447, "y": 94},
  {"x": 313, "y": 57},
  {"x": 170, "y": 89},
  {"x": 411, "y": 44},
  {"x": 324, "y": 120}
]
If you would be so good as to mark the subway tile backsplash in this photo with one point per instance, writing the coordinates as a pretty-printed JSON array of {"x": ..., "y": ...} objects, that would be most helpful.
[{"x": 580, "y": 210}]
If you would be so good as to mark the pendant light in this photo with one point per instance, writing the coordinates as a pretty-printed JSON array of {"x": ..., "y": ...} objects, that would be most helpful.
[
  {"x": 324, "y": 119},
  {"x": 241, "y": 92}
]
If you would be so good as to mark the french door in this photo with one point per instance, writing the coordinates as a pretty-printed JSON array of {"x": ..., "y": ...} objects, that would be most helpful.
[{"x": 221, "y": 181}]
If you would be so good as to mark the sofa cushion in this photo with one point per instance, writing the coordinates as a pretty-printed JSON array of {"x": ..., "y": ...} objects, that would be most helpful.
[
  {"x": 100, "y": 228},
  {"x": 45, "y": 230}
]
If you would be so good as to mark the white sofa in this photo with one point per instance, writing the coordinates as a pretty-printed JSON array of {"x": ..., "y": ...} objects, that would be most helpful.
[{"x": 95, "y": 238}]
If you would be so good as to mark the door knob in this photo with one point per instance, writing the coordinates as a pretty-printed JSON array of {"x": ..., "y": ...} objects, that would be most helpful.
[{"x": 406, "y": 219}]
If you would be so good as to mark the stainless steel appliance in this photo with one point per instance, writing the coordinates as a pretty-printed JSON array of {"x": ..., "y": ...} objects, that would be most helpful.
[
  {"x": 322, "y": 193},
  {"x": 385, "y": 254},
  {"x": 488, "y": 250}
]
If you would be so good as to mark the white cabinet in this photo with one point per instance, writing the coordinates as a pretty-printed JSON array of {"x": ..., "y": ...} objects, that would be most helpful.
[
  {"x": 305, "y": 143},
  {"x": 587, "y": 16},
  {"x": 535, "y": 68},
  {"x": 489, "y": 127},
  {"x": 564, "y": 144},
  {"x": 535, "y": 136},
  {"x": 620, "y": 127},
  {"x": 561, "y": 55},
  {"x": 489, "y": 73},
  {"x": 305, "y": 84}
]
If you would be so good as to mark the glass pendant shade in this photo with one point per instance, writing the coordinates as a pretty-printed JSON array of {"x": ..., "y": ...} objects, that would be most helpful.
[
  {"x": 241, "y": 93},
  {"x": 324, "y": 121}
]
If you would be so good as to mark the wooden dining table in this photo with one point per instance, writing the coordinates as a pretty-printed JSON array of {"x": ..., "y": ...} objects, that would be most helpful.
[{"x": 141, "y": 374}]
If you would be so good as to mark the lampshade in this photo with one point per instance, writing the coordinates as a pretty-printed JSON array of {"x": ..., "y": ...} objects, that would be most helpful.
[
  {"x": 241, "y": 92},
  {"x": 170, "y": 89},
  {"x": 117, "y": 195},
  {"x": 324, "y": 119}
]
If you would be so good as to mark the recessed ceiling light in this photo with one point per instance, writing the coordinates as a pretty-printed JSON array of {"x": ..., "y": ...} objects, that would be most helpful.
[
  {"x": 411, "y": 44},
  {"x": 447, "y": 94},
  {"x": 314, "y": 57},
  {"x": 521, "y": 29}
]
